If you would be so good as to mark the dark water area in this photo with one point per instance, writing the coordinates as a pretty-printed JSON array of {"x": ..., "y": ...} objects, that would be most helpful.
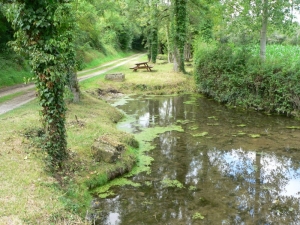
[{"x": 229, "y": 166}]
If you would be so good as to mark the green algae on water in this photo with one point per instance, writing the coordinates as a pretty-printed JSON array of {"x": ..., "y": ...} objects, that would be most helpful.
[
  {"x": 254, "y": 135},
  {"x": 197, "y": 216},
  {"x": 183, "y": 121},
  {"x": 144, "y": 161},
  {"x": 168, "y": 183},
  {"x": 144, "y": 138},
  {"x": 200, "y": 134},
  {"x": 293, "y": 127},
  {"x": 193, "y": 127},
  {"x": 104, "y": 192},
  {"x": 122, "y": 101},
  {"x": 213, "y": 124}
]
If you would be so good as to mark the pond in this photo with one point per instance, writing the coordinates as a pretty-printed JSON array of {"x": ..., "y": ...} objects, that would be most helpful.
[{"x": 211, "y": 165}]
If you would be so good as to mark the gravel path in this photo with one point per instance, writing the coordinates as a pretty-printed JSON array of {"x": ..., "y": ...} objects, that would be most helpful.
[{"x": 29, "y": 89}]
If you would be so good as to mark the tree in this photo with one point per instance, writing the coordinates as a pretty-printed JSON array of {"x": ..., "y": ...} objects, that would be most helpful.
[
  {"x": 179, "y": 33},
  {"x": 6, "y": 33},
  {"x": 247, "y": 17},
  {"x": 153, "y": 33},
  {"x": 263, "y": 34},
  {"x": 43, "y": 31}
]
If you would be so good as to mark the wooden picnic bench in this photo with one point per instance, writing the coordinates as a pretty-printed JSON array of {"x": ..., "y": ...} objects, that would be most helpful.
[{"x": 141, "y": 65}]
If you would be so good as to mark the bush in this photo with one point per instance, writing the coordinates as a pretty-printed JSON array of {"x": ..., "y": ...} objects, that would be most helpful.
[{"x": 235, "y": 75}]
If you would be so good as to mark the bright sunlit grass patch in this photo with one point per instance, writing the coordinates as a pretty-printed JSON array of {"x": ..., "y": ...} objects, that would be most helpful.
[{"x": 161, "y": 80}]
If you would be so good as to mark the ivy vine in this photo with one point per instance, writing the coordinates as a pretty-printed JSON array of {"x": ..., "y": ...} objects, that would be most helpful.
[
  {"x": 43, "y": 31},
  {"x": 179, "y": 33}
]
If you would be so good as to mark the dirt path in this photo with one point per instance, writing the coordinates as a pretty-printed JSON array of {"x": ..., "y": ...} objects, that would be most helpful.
[{"x": 29, "y": 89}]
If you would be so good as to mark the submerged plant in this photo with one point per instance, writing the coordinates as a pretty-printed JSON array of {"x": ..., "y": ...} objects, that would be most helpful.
[
  {"x": 201, "y": 134},
  {"x": 192, "y": 188},
  {"x": 166, "y": 183},
  {"x": 254, "y": 135},
  {"x": 197, "y": 216}
]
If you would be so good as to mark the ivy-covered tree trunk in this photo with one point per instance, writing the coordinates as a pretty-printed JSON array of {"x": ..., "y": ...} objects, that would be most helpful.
[
  {"x": 179, "y": 34},
  {"x": 154, "y": 44},
  {"x": 154, "y": 31},
  {"x": 43, "y": 30}
]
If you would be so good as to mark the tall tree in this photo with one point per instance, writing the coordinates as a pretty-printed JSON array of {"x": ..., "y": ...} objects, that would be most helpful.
[
  {"x": 43, "y": 31},
  {"x": 248, "y": 17},
  {"x": 263, "y": 34},
  {"x": 179, "y": 33},
  {"x": 153, "y": 36}
]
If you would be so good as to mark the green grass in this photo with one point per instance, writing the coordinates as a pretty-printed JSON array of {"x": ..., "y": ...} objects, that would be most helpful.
[
  {"x": 11, "y": 96},
  {"x": 13, "y": 72},
  {"x": 27, "y": 192},
  {"x": 98, "y": 58},
  {"x": 162, "y": 80}
]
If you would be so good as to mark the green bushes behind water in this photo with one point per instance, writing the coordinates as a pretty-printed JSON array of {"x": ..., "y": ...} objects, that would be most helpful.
[{"x": 235, "y": 75}]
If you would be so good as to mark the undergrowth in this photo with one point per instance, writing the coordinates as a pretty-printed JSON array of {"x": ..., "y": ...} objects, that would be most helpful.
[
  {"x": 235, "y": 75},
  {"x": 13, "y": 69}
]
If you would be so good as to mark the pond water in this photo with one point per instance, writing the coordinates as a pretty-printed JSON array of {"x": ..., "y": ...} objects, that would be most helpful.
[{"x": 225, "y": 166}]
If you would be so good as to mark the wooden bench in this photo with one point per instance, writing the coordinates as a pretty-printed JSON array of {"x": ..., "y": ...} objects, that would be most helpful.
[{"x": 142, "y": 65}]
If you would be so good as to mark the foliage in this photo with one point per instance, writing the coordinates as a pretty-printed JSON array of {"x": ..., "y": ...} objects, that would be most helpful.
[
  {"x": 104, "y": 24},
  {"x": 253, "y": 19},
  {"x": 6, "y": 31},
  {"x": 153, "y": 32},
  {"x": 234, "y": 75},
  {"x": 43, "y": 32},
  {"x": 179, "y": 32}
]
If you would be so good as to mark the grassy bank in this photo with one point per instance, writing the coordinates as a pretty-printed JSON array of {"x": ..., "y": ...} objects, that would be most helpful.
[
  {"x": 29, "y": 194},
  {"x": 15, "y": 70},
  {"x": 235, "y": 75}
]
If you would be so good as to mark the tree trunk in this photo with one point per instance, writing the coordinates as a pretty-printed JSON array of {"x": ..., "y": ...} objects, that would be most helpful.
[
  {"x": 179, "y": 34},
  {"x": 168, "y": 44},
  {"x": 176, "y": 60},
  {"x": 263, "y": 34},
  {"x": 74, "y": 87},
  {"x": 187, "y": 52}
]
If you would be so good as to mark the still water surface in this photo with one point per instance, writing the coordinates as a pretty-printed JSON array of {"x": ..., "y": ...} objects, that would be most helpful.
[{"x": 228, "y": 166}]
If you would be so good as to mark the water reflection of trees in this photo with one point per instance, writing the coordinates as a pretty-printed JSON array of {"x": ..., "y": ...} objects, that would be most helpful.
[
  {"x": 259, "y": 183},
  {"x": 232, "y": 186}
]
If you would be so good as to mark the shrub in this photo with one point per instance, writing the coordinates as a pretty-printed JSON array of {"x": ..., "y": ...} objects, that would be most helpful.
[{"x": 235, "y": 75}]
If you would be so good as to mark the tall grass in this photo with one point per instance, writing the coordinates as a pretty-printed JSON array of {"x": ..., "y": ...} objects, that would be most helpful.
[{"x": 288, "y": 53}]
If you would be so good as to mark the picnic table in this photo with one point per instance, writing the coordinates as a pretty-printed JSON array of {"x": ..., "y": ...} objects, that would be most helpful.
[{"x": 141, "y": 65}]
